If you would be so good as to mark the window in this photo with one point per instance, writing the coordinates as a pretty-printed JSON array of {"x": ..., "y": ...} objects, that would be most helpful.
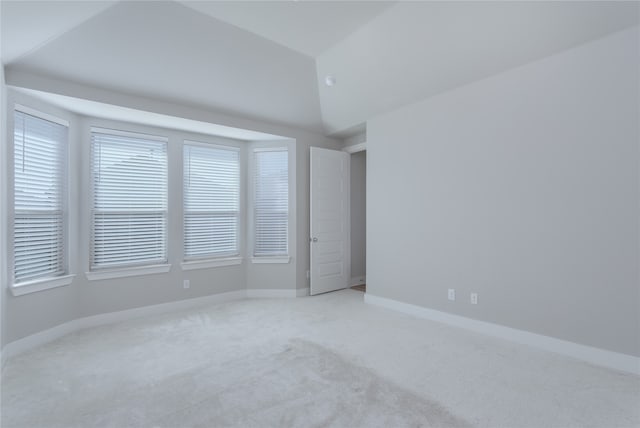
[
  {"x": 129, "y": 208},
  {"x": 211, "y": 200},
  {"x": 39, "y": 198},
  {"x": 271, "y": 202}
]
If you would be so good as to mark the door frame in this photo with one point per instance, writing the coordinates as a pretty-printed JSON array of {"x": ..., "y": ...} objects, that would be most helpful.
[{"x": 352, "y": 149}]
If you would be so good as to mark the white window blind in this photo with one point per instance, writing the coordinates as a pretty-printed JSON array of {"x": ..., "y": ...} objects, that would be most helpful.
[
  {"x": 129, "y": 212},
  {"x": 39, "y": 188},
  {"x": 211, "y": 200},
  {"x": 271, "y": 202}
]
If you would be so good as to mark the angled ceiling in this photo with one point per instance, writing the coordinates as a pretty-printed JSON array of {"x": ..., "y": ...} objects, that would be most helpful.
[
  {"x": 168, "y": 51},
  {"x": 418, "y": 49},
  {"x": 268, "y": 60},
  {"x": 29, "y": 25},
  {"x": 308, "y": 27}
]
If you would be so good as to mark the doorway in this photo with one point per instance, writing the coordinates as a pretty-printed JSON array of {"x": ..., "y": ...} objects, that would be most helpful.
[
  {"x": 358, "y": 220},
  {"x": 338, "y": 219}
]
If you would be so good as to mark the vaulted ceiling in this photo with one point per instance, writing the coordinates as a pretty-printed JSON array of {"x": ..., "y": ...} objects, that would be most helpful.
[{"x": 268, "y": 60}]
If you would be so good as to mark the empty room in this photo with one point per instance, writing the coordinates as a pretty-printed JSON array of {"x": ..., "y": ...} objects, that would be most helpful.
[{"x": 319, "y": 214}]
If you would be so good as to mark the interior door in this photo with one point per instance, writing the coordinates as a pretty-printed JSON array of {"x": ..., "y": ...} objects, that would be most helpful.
[{"x": 330, "y": 220}]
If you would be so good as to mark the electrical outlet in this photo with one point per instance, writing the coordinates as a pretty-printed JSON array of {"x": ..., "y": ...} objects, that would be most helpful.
[
  {"x": 474, "y": 298},
  {"x": 186, "y": 283},
  {"x": 452, "y": 294}
]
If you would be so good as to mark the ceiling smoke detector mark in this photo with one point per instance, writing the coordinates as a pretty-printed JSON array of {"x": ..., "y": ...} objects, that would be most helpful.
[{"x": 330, "y": 80}]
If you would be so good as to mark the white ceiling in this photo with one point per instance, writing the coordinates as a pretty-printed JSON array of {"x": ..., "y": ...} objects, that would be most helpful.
[
  {"x": 415, "y": 50},
  {"x": 28, "y": 25},
  {"x": 309, "y": 27},
  {"x": 268, "y": 60},
  {"x": 170, "y": 52}
]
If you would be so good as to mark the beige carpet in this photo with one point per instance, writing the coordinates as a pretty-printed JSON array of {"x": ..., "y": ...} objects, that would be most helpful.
[
  {"x": 303, "y": 385},
  {"x": 329, "y": 360},
  {"x": 126, "y": 381}
]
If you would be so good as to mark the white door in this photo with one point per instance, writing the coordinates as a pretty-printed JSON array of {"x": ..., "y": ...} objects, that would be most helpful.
[{"x": 330, "y": 220}]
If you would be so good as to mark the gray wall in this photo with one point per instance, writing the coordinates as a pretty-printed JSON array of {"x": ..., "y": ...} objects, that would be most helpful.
[
  {"x": 358, "y": 216},
  {"x": 522, "y": 187},
  {"x": 31, "y": 313}
]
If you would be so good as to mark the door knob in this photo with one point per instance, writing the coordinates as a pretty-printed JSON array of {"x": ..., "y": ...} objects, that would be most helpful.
[{"x": 314, "y": 239}]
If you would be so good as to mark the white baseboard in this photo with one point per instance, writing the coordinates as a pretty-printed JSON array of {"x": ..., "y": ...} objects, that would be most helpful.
[
  {"x": 357, "y": 280},
  {"x": 37, "y": 339},
  {"x": 114, "y": 317},
  {"x": 257, "y": 293},
  {"x": 601, "y": 357}
]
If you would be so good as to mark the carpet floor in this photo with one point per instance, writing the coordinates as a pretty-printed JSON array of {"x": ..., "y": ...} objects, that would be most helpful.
[{"x": 324, "y": 361}]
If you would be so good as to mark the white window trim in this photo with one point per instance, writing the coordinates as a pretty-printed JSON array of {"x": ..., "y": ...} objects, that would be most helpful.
[
  {"x": 210, "y": 145},
  {"x": 129, "y": 134},
  {"x": 277, "y": 148},
  {"x": 153, "y": 266},
  {"x": 269, "y": 147},
  {"x": 40, "y": 284},
  {"x": 126, "y": 272},
  {"x": 216, "y": 260},
  {"x": 210, "y": 263},
  {"x": 43, "y": 283},
  {"x": 271, "y": 259},
  {"x": 37, "y": 113}
]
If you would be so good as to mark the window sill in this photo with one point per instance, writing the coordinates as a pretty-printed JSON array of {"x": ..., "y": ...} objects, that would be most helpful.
[
  {"x": 41, "y": 284},
  {"x": 275, "y": 259},
  {"x": 210, "y": 263},
  {"x": 125, "y": 272}
]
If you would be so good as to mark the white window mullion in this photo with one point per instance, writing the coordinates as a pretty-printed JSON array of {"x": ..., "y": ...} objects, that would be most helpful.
[{"x": 129, "y": 209}]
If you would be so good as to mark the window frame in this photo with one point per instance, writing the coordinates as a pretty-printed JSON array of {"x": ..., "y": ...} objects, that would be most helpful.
[
  {"x": 133, "y": 269},
  {"x": 213, "y": 260},
  {"x": 64, "y": 277},
  {"x": 251, "y": 196}
]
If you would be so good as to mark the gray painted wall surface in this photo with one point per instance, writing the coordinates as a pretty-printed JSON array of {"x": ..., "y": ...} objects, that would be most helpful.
[
  {"x": 358, "y": 215},
  {"x": 31, "y": 313},
  {"x": 355, "y": 139},
  {"x": 522, "y": 187}
]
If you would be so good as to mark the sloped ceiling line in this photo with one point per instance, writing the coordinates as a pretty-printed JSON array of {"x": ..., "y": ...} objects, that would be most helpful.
[
  {"x": 29, "y": 26},
  {"x": 168, "y": 51},
  {"x": 260, "y": 62}
]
